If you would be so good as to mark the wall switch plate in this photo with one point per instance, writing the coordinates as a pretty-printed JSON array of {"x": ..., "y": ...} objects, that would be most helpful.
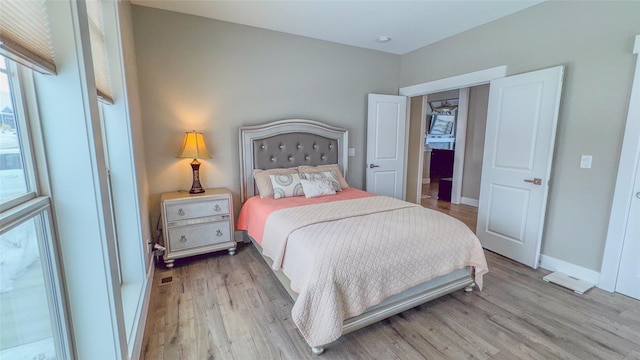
[
  {"x": 352, "y": 151},
  {"x": 585, "y": 161}
]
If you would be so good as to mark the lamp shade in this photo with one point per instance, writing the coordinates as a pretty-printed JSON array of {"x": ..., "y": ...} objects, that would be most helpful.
[{"x": 193, "y": 146}]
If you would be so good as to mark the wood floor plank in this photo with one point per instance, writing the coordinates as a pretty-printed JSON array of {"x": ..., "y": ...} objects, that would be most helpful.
[
  {"x": 458, "y": 324},
  {"x": 465, "y": 213},
  {"x": 442, "y": 337},
  {"x": 633, "y": 355},
  {"x": 586, "y": 322},
  {"x": 223, "y": 307},
  {"x": 538, "y": 324}
]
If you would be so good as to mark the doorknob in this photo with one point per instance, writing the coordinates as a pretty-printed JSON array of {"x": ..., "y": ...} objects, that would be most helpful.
[
  {"x": 638, "y": 194},
  {"x": 534, "y": 181},
  {"x": 371, "y": 166}
]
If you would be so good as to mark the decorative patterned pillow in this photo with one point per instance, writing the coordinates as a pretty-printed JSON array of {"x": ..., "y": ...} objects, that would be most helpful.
[
  {"x": 322, "y": 168},
  {"x": 263, "y": 181},
  {"x": 315, "y": 188},
  {"x": 327, "y": 176},
  {"x": 286, "y": 185}
]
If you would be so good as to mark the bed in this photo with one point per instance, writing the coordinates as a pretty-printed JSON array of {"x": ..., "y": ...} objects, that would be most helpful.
[{"x": 350, "y": 258}]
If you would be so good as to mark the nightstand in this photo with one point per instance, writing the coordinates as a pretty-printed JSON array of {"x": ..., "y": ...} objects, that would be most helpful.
[{"x": 197, "y": 223}]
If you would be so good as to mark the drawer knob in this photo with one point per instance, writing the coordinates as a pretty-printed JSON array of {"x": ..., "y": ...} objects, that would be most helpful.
[
  {"x": 183, "y": 239},
  {"x": 219, "y": 233},
  {"x": 217, "y": 208},
  {"x": 180, "y": 212}
]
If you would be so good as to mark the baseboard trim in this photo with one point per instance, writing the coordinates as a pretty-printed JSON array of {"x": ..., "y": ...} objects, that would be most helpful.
[
  {"x": 553, "y": 264},
  {"x": 142, "y": 322},
  {"x": 469, "y": 201}
]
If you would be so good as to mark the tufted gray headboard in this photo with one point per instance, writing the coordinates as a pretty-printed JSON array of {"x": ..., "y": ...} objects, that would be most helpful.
[{"x": 289, "y": 143}]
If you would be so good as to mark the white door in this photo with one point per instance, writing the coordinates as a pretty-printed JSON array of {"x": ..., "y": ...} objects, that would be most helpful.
[
  {"x": 386, "y": 145},
  {"x": 629, "y": 272},
  {"x": 521, "y": 127}
]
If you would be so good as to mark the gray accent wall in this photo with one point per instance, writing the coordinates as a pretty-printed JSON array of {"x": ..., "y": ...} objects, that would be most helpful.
[
  {"x": 594, "y": 40},
  {"x": 213, "y": 76}
]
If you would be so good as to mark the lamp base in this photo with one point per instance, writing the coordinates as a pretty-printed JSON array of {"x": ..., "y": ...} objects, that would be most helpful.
[{"x": 196, "y": 187}]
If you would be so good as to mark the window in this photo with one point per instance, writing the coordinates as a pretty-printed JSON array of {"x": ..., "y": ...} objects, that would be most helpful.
[
  {"x": 13, "y": 181},
  {"x": 61, "y": 156},
  {"x": 33, "y": 321}
]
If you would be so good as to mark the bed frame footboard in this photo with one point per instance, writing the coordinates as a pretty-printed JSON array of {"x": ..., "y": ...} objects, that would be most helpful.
[
  {"x": 404, "y": 302},
  {"x": 418, "y": 295}
]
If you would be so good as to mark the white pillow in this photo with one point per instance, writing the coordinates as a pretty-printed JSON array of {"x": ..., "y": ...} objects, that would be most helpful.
[
  {"x": 315, "y": 188},
  {"x": 286, "y": 185},
  {"x": 321, "y": 168},
  {"x": 263, "y": 182},
  {"x": 329, "y": 176}
]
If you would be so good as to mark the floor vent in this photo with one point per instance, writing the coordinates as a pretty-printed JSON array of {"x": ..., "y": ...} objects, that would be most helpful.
[
  {"x": 578, "y": 286},
  {"x": 166, "y": 280}
]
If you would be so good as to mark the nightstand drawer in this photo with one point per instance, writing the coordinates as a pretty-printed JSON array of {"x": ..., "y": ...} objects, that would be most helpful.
[
  {"x": 189, "y": 237},
  {"x": 180, "y": 210},
  {"x": 194, "y": 224}
]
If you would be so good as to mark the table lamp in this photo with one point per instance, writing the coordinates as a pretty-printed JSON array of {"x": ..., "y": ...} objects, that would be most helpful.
[{"x": 194, "y": 148}]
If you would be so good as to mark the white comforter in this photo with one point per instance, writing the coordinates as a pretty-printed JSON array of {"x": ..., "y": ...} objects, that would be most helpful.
[{"x": 346, "y": 256}]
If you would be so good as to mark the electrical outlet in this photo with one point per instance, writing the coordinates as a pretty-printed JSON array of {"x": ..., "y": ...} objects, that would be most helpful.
[
  {"x": 585, "y": 161},
  {"x": 352, "y": 151}
]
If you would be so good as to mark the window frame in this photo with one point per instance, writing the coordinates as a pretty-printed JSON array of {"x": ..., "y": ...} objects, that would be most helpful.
[
  {"x": 20, "y": 112},
  {"x": 107, "y": 321},
  {"x": 34, "y": 205}
]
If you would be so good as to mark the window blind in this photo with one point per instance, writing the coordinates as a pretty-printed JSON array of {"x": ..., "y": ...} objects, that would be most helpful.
[
  {"x": 24, "y": 34},
  {"x": 99, "y": 50}
]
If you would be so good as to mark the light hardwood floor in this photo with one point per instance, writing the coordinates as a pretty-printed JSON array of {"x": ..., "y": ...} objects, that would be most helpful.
[
  {"x": 465, "y": 213},
  {"x": 232, "y": 307}
]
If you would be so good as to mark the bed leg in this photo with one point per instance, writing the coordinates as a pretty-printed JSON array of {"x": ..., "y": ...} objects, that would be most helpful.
[
  {"x": 469, "y": 288},
  {"x": 317, "y": 350}
]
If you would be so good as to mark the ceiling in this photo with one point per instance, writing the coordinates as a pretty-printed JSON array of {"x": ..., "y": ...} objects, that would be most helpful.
[{"x": 410, "y": 24}]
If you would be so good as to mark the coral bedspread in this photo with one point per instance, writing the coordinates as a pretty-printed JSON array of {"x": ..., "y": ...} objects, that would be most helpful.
[
  {"x": 345, "y": 256},
  {"x": 255, "y": 210}
]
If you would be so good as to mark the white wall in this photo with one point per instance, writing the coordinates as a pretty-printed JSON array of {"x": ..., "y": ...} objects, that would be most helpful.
[
  {"x": 123, "y": 131},
  {"x": 593, "y": 40},
  {"x": 68, "y": 108},
  {"x": 129, "y": 65},
  {"x": 105, "y": 316}
]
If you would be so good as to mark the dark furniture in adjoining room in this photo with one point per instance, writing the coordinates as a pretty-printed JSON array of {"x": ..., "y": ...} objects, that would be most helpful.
[
  {"x": 444, "y": 189},
  {"x": 441, "y": 163}
]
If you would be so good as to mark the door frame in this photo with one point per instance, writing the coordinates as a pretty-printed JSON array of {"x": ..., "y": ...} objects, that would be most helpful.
[
  {"x": 461, "y": 143},
  {"x": 413, "y": 192},
  {"x": 451, "y": 83},
  {"x": 623, "y": 192}
]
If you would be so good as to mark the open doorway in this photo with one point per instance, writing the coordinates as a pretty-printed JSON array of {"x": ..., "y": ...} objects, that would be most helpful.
[
  {"x": 456, "y": 153},
  {"x": 452, "y": 144},
  {"x": 467, "y": 162},
  {"x": 441, "y": 120},
  {"x": 522, "y": 114}
]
